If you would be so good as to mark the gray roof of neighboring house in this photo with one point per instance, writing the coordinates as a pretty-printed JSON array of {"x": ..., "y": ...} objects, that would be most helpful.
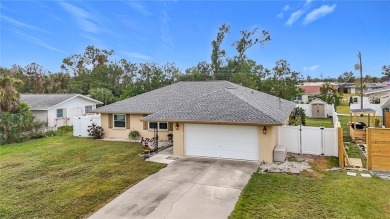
[
  {"x": 234, "y": 104},
  {"x": 384, "y": 89},
  {"x": 369, "y": 85},
  {"x": 47, "y": 101},
  {"x": 162, "y": 98}
]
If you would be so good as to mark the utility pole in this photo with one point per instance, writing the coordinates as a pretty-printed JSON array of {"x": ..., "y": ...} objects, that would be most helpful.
[{"x": 361, "y": 80}]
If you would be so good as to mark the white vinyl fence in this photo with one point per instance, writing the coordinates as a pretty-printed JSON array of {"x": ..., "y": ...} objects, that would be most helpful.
[
  {"x": 81, "y": 123},
  {"x": 309, "y": 140}
]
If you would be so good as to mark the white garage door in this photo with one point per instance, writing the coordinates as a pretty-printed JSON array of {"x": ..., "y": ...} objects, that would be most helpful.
[{"x": 225, "y": 141}]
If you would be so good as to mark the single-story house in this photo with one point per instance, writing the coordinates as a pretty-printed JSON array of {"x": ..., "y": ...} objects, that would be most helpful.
[
  {"x": 209, "y": 118},
  {"x": 351, "y": 89},
  {"x": 57, "y": 110},
  {"x": 386, "y": 113},
  {"x": 310, "y": 89},
  {"x": 378, "y": 95}
]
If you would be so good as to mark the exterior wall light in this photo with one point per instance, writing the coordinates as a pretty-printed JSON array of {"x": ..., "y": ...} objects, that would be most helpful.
[
  {"x": 177, "y": 126},
  {"x": 264, "y": 130}
]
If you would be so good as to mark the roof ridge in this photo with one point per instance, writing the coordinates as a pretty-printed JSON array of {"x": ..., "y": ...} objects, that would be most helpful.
[{"x": 248, "y": 102}]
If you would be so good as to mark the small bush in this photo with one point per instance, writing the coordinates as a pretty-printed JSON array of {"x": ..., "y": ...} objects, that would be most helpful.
[
  {"x": 134, "y": 135},
  {"x": 297, "y": 117},
  {"x": 95, "y": 131},
  {"x": 65, "y": 128}
]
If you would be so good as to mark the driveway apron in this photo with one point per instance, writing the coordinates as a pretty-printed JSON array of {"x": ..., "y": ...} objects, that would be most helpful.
[{"x": 187, "y": 188}]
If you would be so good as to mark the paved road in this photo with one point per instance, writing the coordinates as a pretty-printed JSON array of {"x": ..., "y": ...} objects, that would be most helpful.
[{"x": 187, "y": 188}]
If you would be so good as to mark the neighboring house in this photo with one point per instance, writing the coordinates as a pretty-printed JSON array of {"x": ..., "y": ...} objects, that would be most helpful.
[
  {"x": 386, "y": 113},
  {"x": 310, "y": 89},
  {"x": 57, "y": 110},
  {"x": 351, "y": 89},
  {"x": 211, "y": 119},
  {"x": 317, "y": 109},
  {"x": 378, "y": 95}
]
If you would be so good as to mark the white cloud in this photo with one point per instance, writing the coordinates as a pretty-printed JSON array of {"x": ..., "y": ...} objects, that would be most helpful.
[
  {"x": 294, "y": 17},
  {"x": 307, "y": 2},
  {"x": 165, "y": 19},
  {"x": 86, "y": 21},
  {"x": 37, "y": 41},
  {"x": 286, "y": 8},
  {"x": 137, "y": 55},
  {"x": 280, "y": 15},
  {"x": 138, "y": 6},
  {"x": 318, "y": 13},
  {"x": 311, "y": 68},
  {"x": 18, "y": 23}
]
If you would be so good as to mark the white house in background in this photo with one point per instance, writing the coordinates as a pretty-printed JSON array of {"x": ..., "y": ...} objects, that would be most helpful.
[
  {"x": 367, "y": 104},
  {"x": 317, "y": 109},
  {"x": 378, "y": 95},
  {"x": 58, "y": 110},
  {"x": 310, "y": 89},
  {"x": 351, "y": 89}
]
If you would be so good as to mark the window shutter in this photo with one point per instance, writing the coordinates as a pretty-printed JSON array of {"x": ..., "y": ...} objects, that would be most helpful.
[
  {"x": 127, "y": 121},
  {"x": 145, "y": 123},
  {"x": 170, "y": 126},
  {"x": 110, "y": 121}
]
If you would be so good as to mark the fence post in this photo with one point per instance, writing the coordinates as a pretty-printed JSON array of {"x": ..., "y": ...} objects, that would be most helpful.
[
  {"x": 368, "y": 144},
  {"x": 341, "y": 147}
]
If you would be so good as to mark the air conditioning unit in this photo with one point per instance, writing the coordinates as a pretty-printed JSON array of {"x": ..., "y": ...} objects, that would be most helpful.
[{"x": 280, "y": 153}]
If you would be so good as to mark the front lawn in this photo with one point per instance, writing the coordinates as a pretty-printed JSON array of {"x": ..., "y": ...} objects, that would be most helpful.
[
  {"x": 319, "y": 122},
  {"x": 66, "y": 177},
  {"x": 313, "y": 195}
]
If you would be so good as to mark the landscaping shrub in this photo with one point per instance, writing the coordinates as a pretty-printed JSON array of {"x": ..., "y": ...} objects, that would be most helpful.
[
  {"x": 297, "y": 117},
  {"x": 95, "y": 131},
  {"x": 134, "y": 135},
  {"x": 19, "y": 125}
]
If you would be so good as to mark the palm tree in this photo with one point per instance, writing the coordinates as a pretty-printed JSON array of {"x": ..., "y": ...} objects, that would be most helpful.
[{"x": 9, "y": 96}]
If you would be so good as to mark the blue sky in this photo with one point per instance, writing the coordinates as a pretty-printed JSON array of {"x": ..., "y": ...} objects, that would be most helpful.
[{"x": 316, "y": 37}]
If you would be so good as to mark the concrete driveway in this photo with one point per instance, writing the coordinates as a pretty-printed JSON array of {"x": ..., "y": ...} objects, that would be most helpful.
[{"x": 187, "y": 188}]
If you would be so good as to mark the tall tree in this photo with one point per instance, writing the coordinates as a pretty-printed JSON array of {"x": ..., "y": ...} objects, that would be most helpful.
[
  {"x": 218, "y": 53},
  {"x": 346, "y": 77},
  {"x": 329, "y": 94},
  {"x": 102, "y": 94},
  {"x": 386, "y": 72},
  {"x": 283, "y": 81},
  {"x": 9, "y": 98}
]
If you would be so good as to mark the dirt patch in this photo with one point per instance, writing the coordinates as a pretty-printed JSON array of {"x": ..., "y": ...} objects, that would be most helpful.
[{"x": 306, "y": 164}]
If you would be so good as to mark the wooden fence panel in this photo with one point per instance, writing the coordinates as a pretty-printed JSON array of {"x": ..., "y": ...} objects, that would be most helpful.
[{"x": 378, "y": 149}]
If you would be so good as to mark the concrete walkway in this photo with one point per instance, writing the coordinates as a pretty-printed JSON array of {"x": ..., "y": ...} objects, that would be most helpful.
[{"x": 187, "y": 188}]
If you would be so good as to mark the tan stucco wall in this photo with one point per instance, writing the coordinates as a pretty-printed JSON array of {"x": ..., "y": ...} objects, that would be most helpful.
[
  {"x": 178, "y": 140},
  {"x": 135, "y": 124},
  {"x": 267, "y": 143}
]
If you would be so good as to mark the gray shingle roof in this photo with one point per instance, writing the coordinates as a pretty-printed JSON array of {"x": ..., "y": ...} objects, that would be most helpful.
[
  {"x": 233, "y": 104},
  {"x": 46, "y": 101},
  {"x": 163, "y": 98}
]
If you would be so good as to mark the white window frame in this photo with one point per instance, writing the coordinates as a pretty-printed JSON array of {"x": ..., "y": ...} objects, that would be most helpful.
[
  {"x": 158, "y": 125},
  {"x": 87, "y": 111},
  {"x": 113, "y": 121},
  {"x": 63, "y": 113}
]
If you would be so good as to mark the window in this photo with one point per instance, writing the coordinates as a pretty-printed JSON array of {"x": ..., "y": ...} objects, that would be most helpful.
[
  {"x": 61, "y": 113},
  {"x": 299, "y": 97},
  {"x": 120, "y": 121},
  {"x": 88, "y": 109},
  {"x": 161, "y": 125}
]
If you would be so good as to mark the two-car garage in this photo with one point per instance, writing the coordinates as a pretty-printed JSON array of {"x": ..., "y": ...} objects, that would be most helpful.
[{"x": 222, "y": 141}]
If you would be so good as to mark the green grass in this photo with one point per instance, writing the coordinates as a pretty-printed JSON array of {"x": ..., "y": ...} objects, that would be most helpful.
[
  {"x": 317, "y": 122},
  {"x": 355, "y": 152},
  {"x": 66, "y": 177},
  {"x": 343, "y": 109},
  {"x": 332, "y": 195}
]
